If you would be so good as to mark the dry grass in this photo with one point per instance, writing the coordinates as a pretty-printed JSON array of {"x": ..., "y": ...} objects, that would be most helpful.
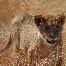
[{"x": 9, "y": 8}]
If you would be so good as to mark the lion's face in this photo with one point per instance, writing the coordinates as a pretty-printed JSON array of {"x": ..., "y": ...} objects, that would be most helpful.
[{"x": 50, "y": 28}]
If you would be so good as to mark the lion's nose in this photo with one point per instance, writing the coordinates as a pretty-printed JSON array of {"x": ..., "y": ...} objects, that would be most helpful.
[{"x": 51, "y": 40}]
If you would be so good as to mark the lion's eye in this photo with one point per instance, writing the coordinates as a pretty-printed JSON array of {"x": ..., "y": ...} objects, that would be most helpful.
[
  {"x": 46, "y": 27},
  {"x": 56, "y": 27}
]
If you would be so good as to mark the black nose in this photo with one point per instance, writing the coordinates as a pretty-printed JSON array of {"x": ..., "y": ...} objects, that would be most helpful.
[
  {"x": 51, "y": 41},
  {"x": 51, "y": 38}
]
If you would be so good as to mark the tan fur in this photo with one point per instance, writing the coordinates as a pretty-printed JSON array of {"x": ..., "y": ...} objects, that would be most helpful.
[{"x": 32, "y": 50}]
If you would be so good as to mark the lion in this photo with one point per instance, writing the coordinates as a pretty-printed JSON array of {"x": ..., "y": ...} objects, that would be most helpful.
[{"x": 37, "y": 40}]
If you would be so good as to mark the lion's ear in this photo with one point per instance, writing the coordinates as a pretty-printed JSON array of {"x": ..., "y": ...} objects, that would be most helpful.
[
  {"x": 39, "y": 20},
  {"x": 61, "y": 20}
]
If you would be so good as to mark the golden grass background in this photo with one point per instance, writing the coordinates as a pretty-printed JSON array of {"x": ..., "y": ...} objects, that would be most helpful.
[{"x": 9, "y": 8}]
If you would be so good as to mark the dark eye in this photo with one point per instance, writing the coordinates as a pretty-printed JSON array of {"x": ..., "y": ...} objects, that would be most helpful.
[
  {"x": 57, "y": 27},
  {"x": 46, "y": 27}
]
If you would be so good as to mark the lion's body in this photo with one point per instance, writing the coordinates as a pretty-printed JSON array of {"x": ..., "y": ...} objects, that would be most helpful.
[{"x": 31, "y": 49}]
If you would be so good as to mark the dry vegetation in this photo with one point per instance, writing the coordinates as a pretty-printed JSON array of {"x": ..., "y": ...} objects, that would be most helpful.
[{"x": 9, "y": 8}]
